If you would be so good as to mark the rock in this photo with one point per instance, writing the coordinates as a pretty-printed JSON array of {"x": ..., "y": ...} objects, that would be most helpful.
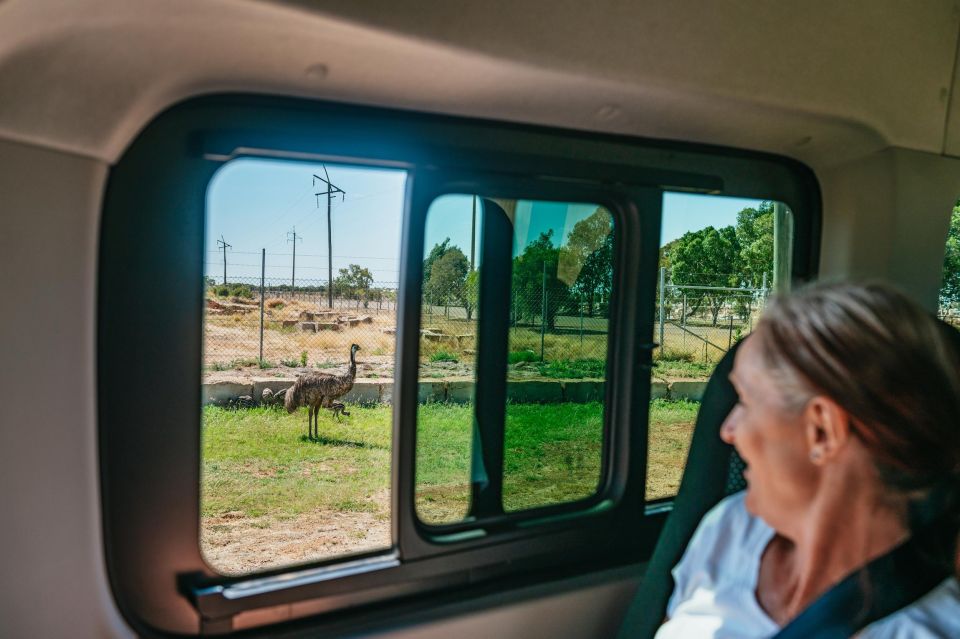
[
  {"x": 431, "y": 392},
  {"x": 328, "y": 326},
  {"x": 692, "y": 390},
  {"x": 461, "y": 391},
  {"x": 276, "y": 386},
  {"x": 364, "y": 391},
  {"x": 220, "y": 393},
  {"x": 308, "y": 327},
  {"x": 582, "y": 392},
  {"x": 287, "y": 323}
]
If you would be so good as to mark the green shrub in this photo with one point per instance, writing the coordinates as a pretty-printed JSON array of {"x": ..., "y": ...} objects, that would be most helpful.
[
  {"x": 522, "y": 356},
  {"x": 444, "y": 356},
  {"x": 289, "y": 363},
  {"x": 303, "y": 358}
]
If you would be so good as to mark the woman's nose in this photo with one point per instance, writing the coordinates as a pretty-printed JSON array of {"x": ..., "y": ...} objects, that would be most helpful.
[{"x": 728, "y": 428}]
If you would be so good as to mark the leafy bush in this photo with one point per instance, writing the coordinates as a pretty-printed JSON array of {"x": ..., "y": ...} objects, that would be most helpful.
[
  {"x": 444, "y": 356},
  {"x": 290, "y": 363},
  {"x": 522, "y": 356},
  {"x": 234, "y": 290},
  {"x": 276, "y": 303},
  {"x": 303, "y": 358}
]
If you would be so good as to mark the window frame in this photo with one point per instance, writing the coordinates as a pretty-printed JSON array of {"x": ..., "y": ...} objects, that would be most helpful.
[{"x": 153, "y": 227}]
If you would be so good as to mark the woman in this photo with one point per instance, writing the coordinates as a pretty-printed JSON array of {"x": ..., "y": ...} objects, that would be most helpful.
[{"x": 848, "y": 421}]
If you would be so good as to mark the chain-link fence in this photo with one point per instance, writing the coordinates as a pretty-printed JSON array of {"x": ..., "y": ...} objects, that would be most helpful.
[
  {"x": 279, "y": 325},
  {"x": 308, "y": 326},
  {"x": 547, "y": 324},
  {"x": 701, "y": 323}
]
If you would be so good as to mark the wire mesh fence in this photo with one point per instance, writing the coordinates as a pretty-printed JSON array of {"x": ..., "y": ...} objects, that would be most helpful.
[
  {"x": 273, "y": 324},
  {"x": 701, "y": 323},
  {"x": 545, "y": 325},
  {"x": 279, "y": 325}
]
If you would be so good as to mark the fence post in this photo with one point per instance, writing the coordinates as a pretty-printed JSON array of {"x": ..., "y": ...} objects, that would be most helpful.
[
  {"x": 663, "y": 278},
  {"x": 543, "y": 309},
  {"x": 581, "y": 328},
  {"x": 263, "y": 270},
  {"x": 730, "y": 333}
]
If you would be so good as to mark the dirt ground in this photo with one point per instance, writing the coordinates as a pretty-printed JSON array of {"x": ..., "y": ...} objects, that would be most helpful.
[{"x": 234, "y": 544}]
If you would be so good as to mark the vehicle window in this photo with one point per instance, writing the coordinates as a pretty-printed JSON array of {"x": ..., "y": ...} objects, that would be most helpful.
[
  {"x": 949, "y": 309},
  {"x": 720, "y": 260},
  {"x": 283, "y": 318},
  {"x": 560, "y": 289}
]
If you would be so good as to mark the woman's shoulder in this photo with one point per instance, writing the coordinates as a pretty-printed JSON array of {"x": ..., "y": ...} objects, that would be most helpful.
[
  {"x": 731, "y": 518},
  {"x": 936, "y": 615},
  {"x": 728, "y": 532}
]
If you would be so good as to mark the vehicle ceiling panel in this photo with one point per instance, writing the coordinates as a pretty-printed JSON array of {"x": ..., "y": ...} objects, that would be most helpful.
[{"x": 823, "y": 82}]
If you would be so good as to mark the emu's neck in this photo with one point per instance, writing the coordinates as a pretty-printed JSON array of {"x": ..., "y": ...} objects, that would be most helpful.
[{"x": 353, "y": 364}]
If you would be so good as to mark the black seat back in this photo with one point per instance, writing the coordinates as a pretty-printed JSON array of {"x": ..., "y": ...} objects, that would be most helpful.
[{"x": 709, "y": 460}]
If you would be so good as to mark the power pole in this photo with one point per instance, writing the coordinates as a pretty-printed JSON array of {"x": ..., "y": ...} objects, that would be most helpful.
[
  {"x": 331, "y": 192},
  {"x": 473, "y": 233},
  {"x": 293, "y": 237},
  {"x": 222, "y": 245}
]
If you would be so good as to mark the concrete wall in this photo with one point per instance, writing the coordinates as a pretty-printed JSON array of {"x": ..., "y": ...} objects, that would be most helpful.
[{"x": 460, "y": 390}]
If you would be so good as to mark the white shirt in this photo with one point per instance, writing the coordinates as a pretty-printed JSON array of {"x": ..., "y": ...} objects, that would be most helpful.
[{"x": 716, "y": 582}]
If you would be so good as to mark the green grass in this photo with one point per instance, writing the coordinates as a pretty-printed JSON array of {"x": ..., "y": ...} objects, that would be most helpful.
[
  {"x": 573, "y": 368},
  {"x": 444, "y": 356},
  {"x": 682, "y": 369},
  {"x": 258, "y": 461}
]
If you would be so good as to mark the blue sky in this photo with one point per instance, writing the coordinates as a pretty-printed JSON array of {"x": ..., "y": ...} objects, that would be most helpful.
[{"x": 254, "y": 203}]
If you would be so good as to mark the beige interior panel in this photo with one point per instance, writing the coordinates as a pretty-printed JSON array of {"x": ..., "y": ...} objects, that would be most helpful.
[
  {"x": 54, "y": 578},
  {"x": 822, "y": 82},
  {"x": 887, "y": 216}
]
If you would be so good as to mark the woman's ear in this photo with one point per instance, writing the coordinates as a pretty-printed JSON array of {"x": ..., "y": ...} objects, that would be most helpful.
[{"x": 827, "y": 427}]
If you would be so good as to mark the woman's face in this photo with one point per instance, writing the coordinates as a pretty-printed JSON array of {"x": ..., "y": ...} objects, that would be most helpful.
[{"x": 770, "y": 437}]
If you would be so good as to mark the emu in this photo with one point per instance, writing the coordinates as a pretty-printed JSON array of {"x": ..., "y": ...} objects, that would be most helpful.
[{"x": 321, "y": 389}]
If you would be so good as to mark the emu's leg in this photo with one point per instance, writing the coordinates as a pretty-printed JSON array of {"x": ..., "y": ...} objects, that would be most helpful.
[{"x": 309, "y": 422}]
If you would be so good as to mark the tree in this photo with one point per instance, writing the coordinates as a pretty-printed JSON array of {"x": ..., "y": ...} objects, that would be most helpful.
[
  {"x": 448, "y": 275},
  {"x": 471, "y": 292},
  {"x": 755, "y": 236},
  {"x": 586, "y": 261},
  {"x": 708, "y": 257},
  {"x": 950, "y": 283},
  {"x": 435, "y": 253},
  {"x": 353, "y": 281},
  {"x": 528, "y": 271}
]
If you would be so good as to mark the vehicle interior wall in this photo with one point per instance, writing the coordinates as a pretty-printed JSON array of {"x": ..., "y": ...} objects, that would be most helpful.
[{"x": 871, "y": 119}]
